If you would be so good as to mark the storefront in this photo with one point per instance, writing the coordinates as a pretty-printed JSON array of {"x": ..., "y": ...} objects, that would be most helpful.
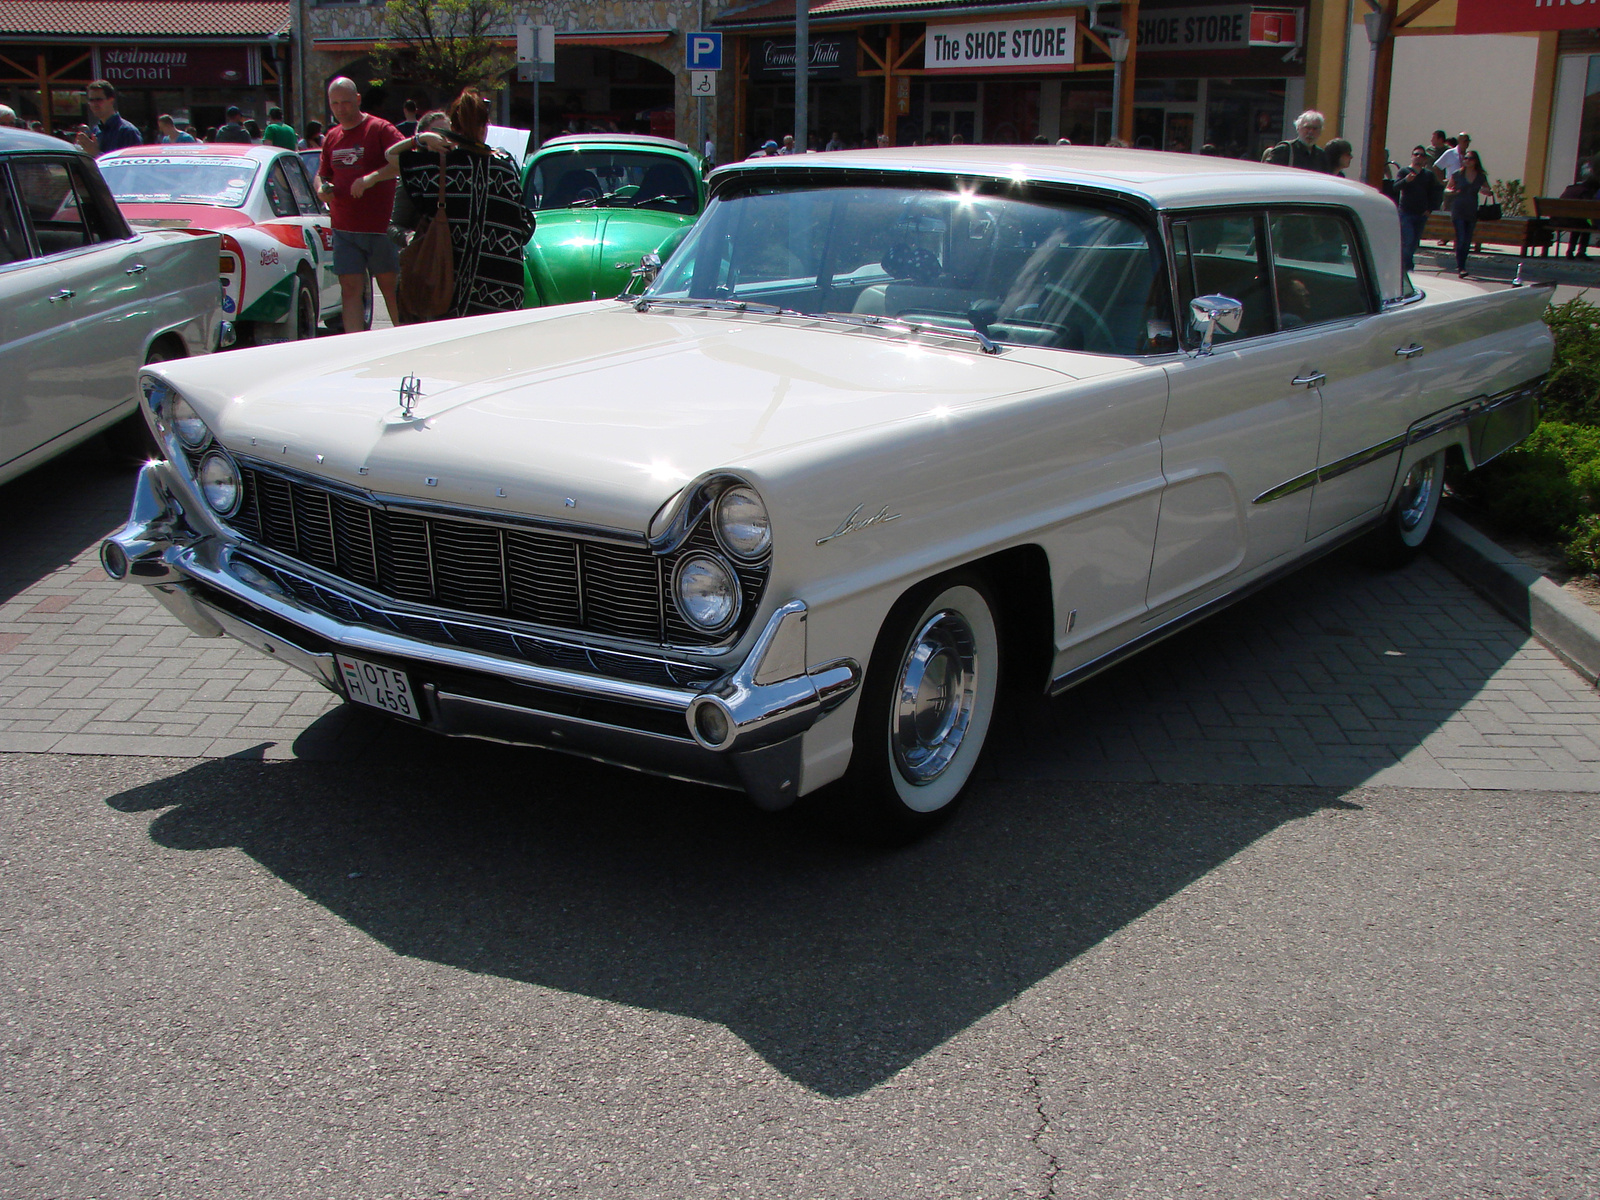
[
  {"x": 192, "y": 60},
  {"x": 1227, "y": 75}
]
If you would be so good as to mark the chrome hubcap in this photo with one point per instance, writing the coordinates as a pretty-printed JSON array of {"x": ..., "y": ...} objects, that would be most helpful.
[
  {"x": 934, "y": 698},
  {"x": 1416, "y": 493}
]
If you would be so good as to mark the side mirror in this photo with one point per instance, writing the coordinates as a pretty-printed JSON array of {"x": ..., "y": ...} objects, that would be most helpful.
[
  {"x": 1207, "y": 314},
  {"x": 649, "y": 267}
]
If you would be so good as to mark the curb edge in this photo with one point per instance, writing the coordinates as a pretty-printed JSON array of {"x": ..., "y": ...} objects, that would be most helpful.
[{"x": 1567, "y": 626}]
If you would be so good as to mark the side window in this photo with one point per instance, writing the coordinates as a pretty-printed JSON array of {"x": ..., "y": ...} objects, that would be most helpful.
[
  {"x": 278, "y": 194},
  {"x": 13, "y": 238},
  {"x": 1315, "y": 267},
  {"x": 1222, "y": 255},
  {"x": 48, "y": 197},
  {"x": 295, "y": 170}
]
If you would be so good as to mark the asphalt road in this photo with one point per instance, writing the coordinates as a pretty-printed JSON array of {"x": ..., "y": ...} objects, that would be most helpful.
[{"x": 496, "y": 975}]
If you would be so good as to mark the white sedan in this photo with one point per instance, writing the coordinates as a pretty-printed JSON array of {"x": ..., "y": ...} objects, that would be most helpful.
[{"x": 890, "y": 428}]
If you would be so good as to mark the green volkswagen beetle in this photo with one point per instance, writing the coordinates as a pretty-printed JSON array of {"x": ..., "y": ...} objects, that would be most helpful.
[{"x": 603, "y": 200}]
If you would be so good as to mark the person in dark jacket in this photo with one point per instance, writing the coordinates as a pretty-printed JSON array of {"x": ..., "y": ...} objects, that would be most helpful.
[
  {"x": 1303, "y": 151},
  {"x": 1417, "y": 192},
  {"x": 1586, "y": 188},
  {"x": 111, "y": 130}
]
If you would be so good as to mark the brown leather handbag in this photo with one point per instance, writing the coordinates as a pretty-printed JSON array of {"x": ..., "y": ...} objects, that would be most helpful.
[{"x": 428, "y": 267}]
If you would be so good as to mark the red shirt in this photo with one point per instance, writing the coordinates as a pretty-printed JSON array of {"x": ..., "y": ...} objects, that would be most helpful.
[{"x": 348, "y": 154}]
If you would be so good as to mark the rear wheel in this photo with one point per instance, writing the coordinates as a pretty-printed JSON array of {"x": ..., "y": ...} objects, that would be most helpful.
[
  {"x": 305, "y": 310},
  {"x": 924, "y": 711},
  {"x": 1405, "y": 529}
]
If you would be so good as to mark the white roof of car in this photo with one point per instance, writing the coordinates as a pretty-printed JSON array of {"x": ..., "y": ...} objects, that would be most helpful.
[{"x": 1162, "y": 180}]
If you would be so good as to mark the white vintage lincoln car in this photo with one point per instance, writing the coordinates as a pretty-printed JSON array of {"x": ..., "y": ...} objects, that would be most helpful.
[{"x": 890, "y": 429}]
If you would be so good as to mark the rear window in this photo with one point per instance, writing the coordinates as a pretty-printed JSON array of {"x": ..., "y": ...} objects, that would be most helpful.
[
  {"x": 612, "y": 179},
  {"x": 154, "y": 179}
]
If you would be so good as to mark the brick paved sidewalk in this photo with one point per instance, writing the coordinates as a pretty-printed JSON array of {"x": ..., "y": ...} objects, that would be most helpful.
[{"x": 1335, "y": 677}]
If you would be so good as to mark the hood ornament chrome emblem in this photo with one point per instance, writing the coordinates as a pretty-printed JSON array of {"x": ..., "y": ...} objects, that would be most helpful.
[
  {"x": 410, "y": 393},
  {"x": 851, "y": 523}
]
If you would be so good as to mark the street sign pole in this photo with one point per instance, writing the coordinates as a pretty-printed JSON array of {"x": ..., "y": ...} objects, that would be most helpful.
[
  {"x": 702, "y": 59},
  {"x": 802, "y": 74}
]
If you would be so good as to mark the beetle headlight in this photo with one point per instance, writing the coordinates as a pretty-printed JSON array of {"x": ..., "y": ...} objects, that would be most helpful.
[
  {"x": 219, "y": 483},
  {"x": 706, "y": 592},
  {"x": 191, "y": 430},
  {"x": 741, "y": 523}
]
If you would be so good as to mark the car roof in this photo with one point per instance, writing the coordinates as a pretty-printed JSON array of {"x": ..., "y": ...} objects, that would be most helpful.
[
  {"x": 1161, "y": 179},
  {"x": 13, "y": 138},
  {"x": 641, "y": 140},
  {"x": 200, "y": 150}
]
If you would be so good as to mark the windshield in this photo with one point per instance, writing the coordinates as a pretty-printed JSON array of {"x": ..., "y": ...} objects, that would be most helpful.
[
  {"x": 612, "y": 178},
  {"x": 1066, "y": 275},
  {"x": 224, "y": 182}
]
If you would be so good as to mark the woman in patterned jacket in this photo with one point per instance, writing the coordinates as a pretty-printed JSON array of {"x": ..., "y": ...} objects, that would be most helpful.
[{"x": 489, "y": 224}]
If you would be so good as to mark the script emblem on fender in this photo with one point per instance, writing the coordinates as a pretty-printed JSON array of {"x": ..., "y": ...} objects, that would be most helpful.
[{"x": 851, "y": 523}]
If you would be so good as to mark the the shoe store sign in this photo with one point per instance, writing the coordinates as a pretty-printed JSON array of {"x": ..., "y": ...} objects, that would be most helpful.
[
  {"x": 1042, "y": 44},
  {"x": 1223, "y": 27}
]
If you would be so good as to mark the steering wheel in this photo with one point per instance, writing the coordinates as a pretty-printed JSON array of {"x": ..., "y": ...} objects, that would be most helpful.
[
  {"x": 1028, "y": 314},
  {"x": 916, "y": 263},
  {"x": 587, "y": 193}
]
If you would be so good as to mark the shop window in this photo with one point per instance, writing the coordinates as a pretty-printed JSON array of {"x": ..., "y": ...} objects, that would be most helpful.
[{"x": 1589, "y": 127}]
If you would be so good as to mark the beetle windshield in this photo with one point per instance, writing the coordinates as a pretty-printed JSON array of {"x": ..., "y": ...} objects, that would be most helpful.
[
  {"x": 612, "y": 179},
  {"x": 1067, "y": 275},
  {"x": 155, "y": 179}
]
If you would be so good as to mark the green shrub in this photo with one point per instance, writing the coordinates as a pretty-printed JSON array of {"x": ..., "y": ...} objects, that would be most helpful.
[
  {"x": 1513, "y": 200},
  {"x": 1544, "y": 487},
  {"x": 1572, "y": 392},
  {"x": 1583, "y": 545}
]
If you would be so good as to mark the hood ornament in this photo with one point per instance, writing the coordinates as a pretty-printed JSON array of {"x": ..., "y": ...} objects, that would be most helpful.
[{"x": 410, "y": 393}]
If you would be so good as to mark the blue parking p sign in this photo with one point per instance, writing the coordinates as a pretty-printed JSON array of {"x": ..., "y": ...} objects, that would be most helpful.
[{"x": 703, "y": 51}]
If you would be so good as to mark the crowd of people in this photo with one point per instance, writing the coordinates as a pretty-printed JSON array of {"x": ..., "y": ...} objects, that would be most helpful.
[{"x": 107, "y": 129}]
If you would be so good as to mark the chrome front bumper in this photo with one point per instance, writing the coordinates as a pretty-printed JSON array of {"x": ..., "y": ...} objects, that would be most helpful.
[{"x": 741, "y": 730}]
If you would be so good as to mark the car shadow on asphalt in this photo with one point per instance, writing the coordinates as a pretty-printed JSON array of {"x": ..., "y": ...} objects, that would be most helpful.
[
  {"x": 54, "y": 511},
  {"x": 837, "y": 965}
]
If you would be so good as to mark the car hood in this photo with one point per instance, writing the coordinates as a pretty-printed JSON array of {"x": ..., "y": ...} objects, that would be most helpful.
[
  {"x": 584, "y": 252},
  {"x": 594, "y": 413}
]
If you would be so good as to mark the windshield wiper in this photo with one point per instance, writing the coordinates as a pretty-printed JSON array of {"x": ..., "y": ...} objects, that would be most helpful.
[
  {"x": 978, "y": 334},
  {"x": 645, "y": 303},
  {"x": 596, "y": 201},
  {"x": 638, "y": 203}
]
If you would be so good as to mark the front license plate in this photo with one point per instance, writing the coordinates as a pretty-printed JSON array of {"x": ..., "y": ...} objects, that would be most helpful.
[{"x": 368, "y": 683}]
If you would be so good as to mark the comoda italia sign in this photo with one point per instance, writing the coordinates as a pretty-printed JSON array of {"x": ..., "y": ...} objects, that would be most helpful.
[{"x": 1045, "y": 44}]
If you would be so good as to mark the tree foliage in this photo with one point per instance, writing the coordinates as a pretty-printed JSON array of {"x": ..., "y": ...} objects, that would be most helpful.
[{"x": 446, "y": 44}]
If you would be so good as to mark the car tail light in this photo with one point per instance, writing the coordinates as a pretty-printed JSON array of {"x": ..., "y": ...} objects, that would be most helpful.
[{"x": 230, "y": 271}]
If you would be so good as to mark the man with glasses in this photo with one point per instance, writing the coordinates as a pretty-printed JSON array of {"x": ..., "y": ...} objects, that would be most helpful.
[
  {"x": 110, "y": 130},
  {"x": 1418, "y": 192}
]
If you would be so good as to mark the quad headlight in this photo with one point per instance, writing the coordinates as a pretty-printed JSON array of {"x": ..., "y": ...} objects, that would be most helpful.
[
  {"x": 706, "y": 592},
  {"x": 220, "y": 483},
  {"x": 741, "y": 523},
  {"x": 191, "y": 430}
]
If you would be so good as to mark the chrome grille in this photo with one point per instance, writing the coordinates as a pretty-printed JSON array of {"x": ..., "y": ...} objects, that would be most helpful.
[{"x": 477, "y": 567}]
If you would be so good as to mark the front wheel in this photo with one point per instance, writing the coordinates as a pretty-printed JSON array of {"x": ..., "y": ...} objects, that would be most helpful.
[
  {"x": 924, "y": 710},
  {"x": 1406, "y": 527}
]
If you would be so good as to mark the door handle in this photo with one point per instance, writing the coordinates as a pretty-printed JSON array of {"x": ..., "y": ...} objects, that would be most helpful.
[
  {"x": 1410, "y": 351},
  {"x": 63, "y": 294},
  {"x": 1312, "y": 380},
  {"x": 136, "y": 269}
]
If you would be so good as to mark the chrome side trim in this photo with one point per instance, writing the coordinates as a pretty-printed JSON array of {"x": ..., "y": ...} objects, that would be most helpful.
[
  {"x": 1420, "y": 430},
  {"x": 1416, "y": 297}
]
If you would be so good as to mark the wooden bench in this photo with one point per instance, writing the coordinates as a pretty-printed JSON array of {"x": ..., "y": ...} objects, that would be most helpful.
[
  {"x": 1557, "y": 216},
  {"x": 1523, "y": 232}
]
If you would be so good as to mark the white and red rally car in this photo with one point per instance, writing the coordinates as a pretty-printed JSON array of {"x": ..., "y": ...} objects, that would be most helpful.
[{"x": 276, "y": 262}]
